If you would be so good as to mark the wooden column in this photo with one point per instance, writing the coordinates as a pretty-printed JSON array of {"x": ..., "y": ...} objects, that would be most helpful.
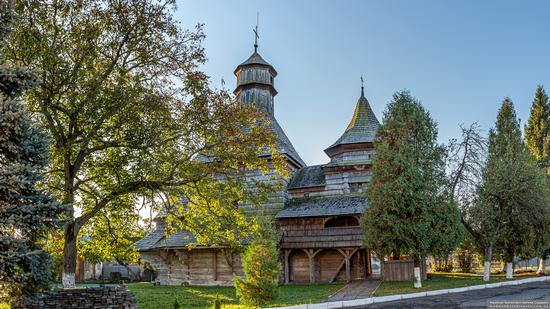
[
  {"x": 215, "y": 265},
  {"x": 311, "y": 266},
  {"x": 311, "y": 253},
  {"x": 348, "y": 254},
  {"x": 348, "y": 268},
  {"x": 369, "y": 269},
  {"x": 188, "y": 262},
  {"x": 287, "y": 266}
]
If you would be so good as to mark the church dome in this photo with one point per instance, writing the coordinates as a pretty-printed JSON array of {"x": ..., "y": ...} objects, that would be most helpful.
[
  {"x": 362, "y": 127},
  {"x": 255, "y": 59}
]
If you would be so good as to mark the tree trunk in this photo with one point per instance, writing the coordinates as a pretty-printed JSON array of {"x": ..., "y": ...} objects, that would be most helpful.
[
  {"x": 509, "y": 270},
  {"x": 487, "y": 263},
  {"x": 424, "y": 268},
  {"x": 396, "y": 256},
  {"x": 69, "y": 255},
  {"x": 417, "y": 277},
  {"x": 541, "y": 270}
]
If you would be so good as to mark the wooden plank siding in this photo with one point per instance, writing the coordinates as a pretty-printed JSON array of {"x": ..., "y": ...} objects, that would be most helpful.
[
  {"x": 398, "y": 270},
  {"x": 207, "y": 266}
]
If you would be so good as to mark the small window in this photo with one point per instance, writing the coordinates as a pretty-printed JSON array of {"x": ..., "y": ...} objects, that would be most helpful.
[
  {"x": 342, "y": 221},
  {"x": 357, "y": 187}
]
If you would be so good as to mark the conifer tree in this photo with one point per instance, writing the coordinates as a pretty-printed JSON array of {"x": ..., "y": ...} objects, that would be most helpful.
[
  {"x": 408, "y": 212},
  {"x": 513, "y": 188},
  {"x": 537, "y": 140},
  {"x": 26, "y": 213},
  {"x": 261, "y": 266},
  {"x": 538, "y": 128}
]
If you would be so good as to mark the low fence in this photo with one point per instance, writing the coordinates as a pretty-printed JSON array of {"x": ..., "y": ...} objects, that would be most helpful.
[{"x": 398, "y": 270}]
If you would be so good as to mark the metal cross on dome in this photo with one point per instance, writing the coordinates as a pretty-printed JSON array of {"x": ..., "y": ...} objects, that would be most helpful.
[{"x": 256, "y": 36}]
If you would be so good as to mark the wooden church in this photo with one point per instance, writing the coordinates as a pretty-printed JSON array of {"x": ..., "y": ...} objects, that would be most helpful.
[{"x": 318, "y": 209}]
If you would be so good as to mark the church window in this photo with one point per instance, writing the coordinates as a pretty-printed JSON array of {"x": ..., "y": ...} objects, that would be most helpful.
[{"x": 342, "y": 221}]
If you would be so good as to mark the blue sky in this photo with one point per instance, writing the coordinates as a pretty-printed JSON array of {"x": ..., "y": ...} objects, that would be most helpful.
[{"x": 460, "y": 58}]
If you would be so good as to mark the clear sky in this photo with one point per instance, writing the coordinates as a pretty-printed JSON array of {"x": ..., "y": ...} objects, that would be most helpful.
[{"x": 460, "y": 58}]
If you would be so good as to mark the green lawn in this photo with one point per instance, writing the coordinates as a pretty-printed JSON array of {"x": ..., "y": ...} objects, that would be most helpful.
[
  {"x": 442, "y": 281},
  {"x": 156, "y": 297}
]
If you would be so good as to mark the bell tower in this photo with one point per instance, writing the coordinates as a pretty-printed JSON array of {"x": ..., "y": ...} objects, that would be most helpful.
[{"x": 255, "y": 81}]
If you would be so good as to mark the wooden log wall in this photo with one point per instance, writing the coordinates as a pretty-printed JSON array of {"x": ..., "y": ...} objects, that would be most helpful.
[{"x": 207, "y": 266}]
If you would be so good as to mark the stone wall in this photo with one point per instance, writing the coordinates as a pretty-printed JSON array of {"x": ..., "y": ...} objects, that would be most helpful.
[{"x": 83, "y": 298}]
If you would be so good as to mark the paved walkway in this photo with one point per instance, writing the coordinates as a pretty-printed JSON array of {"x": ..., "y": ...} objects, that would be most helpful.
[
  {"x": 356, "y": 290},
  {"x": 531, "y": 292}
]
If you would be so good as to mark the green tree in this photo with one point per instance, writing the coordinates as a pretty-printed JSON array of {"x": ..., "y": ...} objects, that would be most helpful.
[
  {"x": 512, "y": 189},
  {"x": 261, "y": 266},
  {"x": 111, "y": 234},
  {"x": 130, "y": 115},
  {"x": 26, "y": 212},
  {"x": 537, "y": 140},
  {"x": 538, "y": 128},
  {"x": 409, "y": 212}
]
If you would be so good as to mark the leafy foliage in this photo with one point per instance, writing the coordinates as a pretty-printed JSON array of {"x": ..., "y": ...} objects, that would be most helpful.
[
  {"x": 130, "y": 116},
  {"x": 111, "y": 234},
  {"x": 409, "y": 211},
  {"x": 27, "y": 213},
  {"x": 261, "y": 267}
]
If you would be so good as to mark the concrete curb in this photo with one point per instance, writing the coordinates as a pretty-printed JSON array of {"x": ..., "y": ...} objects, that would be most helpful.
[{"x": 383, "y": 299}]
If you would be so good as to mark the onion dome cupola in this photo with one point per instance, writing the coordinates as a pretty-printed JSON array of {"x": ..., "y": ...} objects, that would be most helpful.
[
  {"x": 255, "y": 82},
  {"x": 360, "y": 132}
]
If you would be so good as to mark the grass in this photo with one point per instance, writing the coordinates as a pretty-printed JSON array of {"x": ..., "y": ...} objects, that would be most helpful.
[
  {"x": 162, "y": 296},
  {"x": 438, "y": 281},
  {"x": 155, "y": 297}
]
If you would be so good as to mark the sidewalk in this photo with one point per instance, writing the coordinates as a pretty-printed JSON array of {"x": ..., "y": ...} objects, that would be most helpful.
[{"x": 356, "y": 290}]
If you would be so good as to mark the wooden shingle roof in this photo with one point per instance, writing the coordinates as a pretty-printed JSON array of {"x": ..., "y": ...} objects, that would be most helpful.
[
  {"x": 362, "y": 127},
  {"x": 324, "y": 206},
  {"x": 283, "y": 142},
  {"x": 307, "y": 177}
]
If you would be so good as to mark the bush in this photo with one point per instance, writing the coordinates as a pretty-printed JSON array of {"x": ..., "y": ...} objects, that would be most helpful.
[
  {"x": 217, "y": 303},
  {"x": 261, "y": 267},
  {"x": 443, "y": 265},
  {"x": 177, "y": 304},
  {"x": 466, "y": 255}
]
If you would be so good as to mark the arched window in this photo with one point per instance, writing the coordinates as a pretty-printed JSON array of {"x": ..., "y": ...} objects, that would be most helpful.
[{"x": 342, "y": 221}]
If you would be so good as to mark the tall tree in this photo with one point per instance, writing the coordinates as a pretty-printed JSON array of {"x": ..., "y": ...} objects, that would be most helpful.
[
  {"x": 465, "y": 162},
  {"x": 409, "y": 213},
  {"x": 537, "y": 128},
  {"x": 26, "y": 212},
  {"x": 537, "y": 139},
  {"x": 512, "y": 189},
  {"x": 129, "y": 114}
]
